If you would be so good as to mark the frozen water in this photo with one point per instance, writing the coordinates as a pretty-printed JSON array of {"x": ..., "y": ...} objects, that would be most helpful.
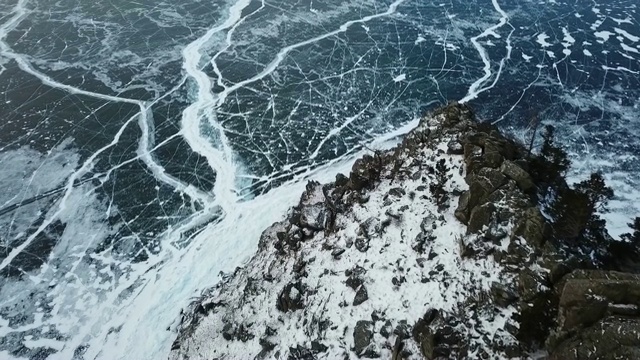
[{"x": 145, "y": 145}]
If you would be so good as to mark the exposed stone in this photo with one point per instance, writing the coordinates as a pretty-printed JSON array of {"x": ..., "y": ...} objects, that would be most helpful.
[
  {"x": 291, "y": 298},
  {"x": 362, "y": 336},
  {"x": 612, "y": 338},
  {"x": 515, "y": 172},
  {"x": 313, "y": 217},
  {"x": 502, "y": 295},
  {"x": 531, "y": 227},
  {"x": 361, "y": 296},
  {"x": 480, "y": 217}
]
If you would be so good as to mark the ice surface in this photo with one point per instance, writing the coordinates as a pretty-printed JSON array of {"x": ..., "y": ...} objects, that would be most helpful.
[{"x": 145, "y": 145}]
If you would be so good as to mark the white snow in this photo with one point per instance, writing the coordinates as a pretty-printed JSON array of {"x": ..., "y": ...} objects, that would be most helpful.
[{"x": 400, "y": 77}]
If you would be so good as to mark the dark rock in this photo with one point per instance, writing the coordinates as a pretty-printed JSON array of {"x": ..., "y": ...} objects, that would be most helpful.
[
  {"x": 502, "y": 295},
  {"x": 515, "y": 172},
  {"x": 397, "y": 192},
  {"x": 313, "y": 217},
  {"x": 370, "y": 228},
  {"x": 291, "y": 298},
  {"x": 531, "y": 226},
  {"x": 337, "y": 252},
  {"x": 454, "y": 147},
  {"x": 228, "y": 331},
  {"x": 385, "y": 330},
  {"x": 300, "y": 353},
  {"x": 425, "y": 338},
  {"x": 481, "y": 216},
  {"x": 361, "y": 296},
  {"x": 492, "y": 153},
  {"x": 402, "y": 330},
  {"x": 362, "y": 244},
  {"x": 354, "y": 281},
  {"x": 362, "y": 336},
  {"x": 266, "y": 345},
  {"x": 612, "y": 338},
  {"x": 489, "y": 179},
  {"x": 318, "y": 347},
  {"x": 462, "y": 211}
]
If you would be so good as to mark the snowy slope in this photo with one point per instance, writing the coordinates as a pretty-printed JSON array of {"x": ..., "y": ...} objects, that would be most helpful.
[{"x": 356, "y": 287}]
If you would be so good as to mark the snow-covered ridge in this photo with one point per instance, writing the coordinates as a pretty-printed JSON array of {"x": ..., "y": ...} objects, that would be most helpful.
[{"x": 434, "y": 249}]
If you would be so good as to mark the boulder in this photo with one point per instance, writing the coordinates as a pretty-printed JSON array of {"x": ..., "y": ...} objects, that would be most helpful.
[
  {"x": 361, "y": 296},
  {"x": 612, "y": 338},
  {"x": 362, "y": 336},
  {"x": 515, "y": 172},
  {"x": 531, "y": 226},
  {"x": 480, "y": 217},
  {"x": 313, "y": 217}
]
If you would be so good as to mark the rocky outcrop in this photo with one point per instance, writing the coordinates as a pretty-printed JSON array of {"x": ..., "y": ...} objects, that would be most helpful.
[
  {"x": 598, "y": 316},
  {"x": 446, "y": 225}
]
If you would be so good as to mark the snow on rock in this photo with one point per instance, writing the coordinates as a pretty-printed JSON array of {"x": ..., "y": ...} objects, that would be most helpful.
[{"x": 382, "y": 263}]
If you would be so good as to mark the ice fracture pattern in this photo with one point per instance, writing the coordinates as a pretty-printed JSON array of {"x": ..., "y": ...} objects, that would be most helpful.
[{"x": 145, "y": 145}]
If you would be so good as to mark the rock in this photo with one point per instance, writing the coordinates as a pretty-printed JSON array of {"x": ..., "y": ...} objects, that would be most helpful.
[
  {"x": 492, "y": 153},
  {"x": 502, "y": 295},
  {"x": 291, "y": 298},
  {"x": 480, "y": 217},
  {"x": 462, "y": 211},
  {"x": 318, "y": 347},
  {"x": 362, "y": 336},
  {"x": 489, "y": 179},
  {"x": 370, "y": 228},
  {"x": 364, "y": 172},
  {"x": 396, "y": 192},
  {"x": 531, "y": 226},
  {"x": 337, "y": 252},
  {"x": 354, "y": 281},
  {"x": 300, "y": 353},
  {"x": 361, "y": 296},
  {"x": 228, "y": 331},
  {"x": 403, "y": 330},
  {"x": 454, "y": 147},
  {"x": 313, "y": 217},
  {"x": 425, "y": 338},
  {"x": 362, "y": 244},
  {"x": 385, "y": 330},
  {"x": 515, "y": 172},
  {"x": 612, "y": 338},
  {"x": 587, "y": 294}
]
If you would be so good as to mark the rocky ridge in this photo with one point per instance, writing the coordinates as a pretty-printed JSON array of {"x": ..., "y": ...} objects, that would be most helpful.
[{"x": 434, "y": 249}]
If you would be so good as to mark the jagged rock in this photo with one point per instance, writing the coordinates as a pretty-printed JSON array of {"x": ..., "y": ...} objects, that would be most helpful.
[
  {"x": 362, "y": 336},
  {"x": 612, "y": 338},
  {"x": 364, "y": 172},
  {"x": 370, "y": 228},
  {"x": 489, "y": 179},
  {"x": 531, "y": 227},
  {"x": 313, "y": 217},
  {"x": 403, "y": 330},
  {"x": 492, "y": 153},
  {"x": 588, "y": 294},
  {"x": 515, "y": 172},
  {"x": 318, "y": 347},
  {"x": 361, "y": 296},
  {"x": 362, "y": 244},
  {"x": 300, "y": 353},
  {"x": 480, "y": 217},
  {"x": 530, "y": 284},
  {"x": 424, "y": 336},
  {"x": 385, "y": 330},
  {"x": 337, "y": 252},
  {"x": 454, "y": 147},
  {"x": 502, "y": 295},
  {"x": 462, "y": 211},
  {"x": 397, "y": 192},
  {"x": 291, "y": 298}
]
